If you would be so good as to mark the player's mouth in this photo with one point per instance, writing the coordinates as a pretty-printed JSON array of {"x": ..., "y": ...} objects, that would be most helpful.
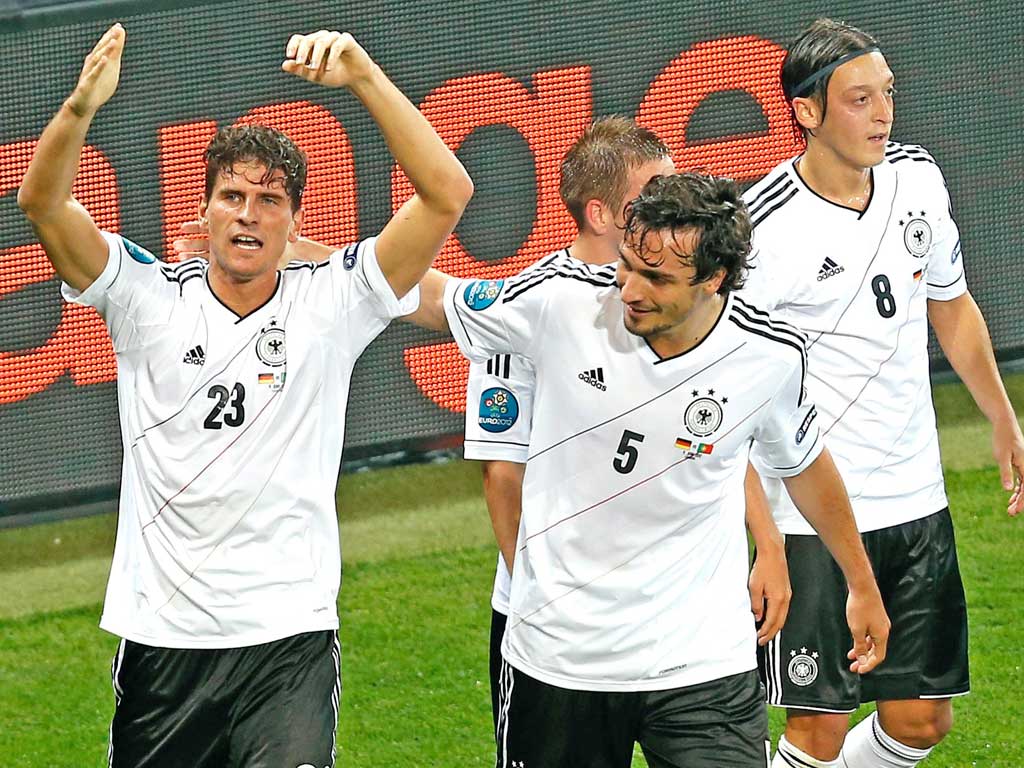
[
  {"x": 247, "y": 242},
  {"x": 878, "y": 138},
  {"x": 637, "y": 313}
]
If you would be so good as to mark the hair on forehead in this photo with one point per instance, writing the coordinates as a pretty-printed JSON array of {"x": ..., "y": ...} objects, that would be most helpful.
[
  {"x": 711, "y": 207},
  {"x": 821, "y": 45},
  {"x": 598, "y": 164},
  {"x": 258, "y": 145}
]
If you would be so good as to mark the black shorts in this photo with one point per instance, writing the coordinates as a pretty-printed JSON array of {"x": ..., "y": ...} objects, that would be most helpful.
[
  {"x": 263, "y": 706},
  {"x": 719, "y": 724},
  {"x": 805, "y": 666},
  {"x": 498, "y": 621}
]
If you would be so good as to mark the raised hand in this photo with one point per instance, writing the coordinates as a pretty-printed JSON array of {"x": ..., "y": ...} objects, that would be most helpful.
[
  {"x": 333, "y": 59},
  {"x": 100, "y": 74}
]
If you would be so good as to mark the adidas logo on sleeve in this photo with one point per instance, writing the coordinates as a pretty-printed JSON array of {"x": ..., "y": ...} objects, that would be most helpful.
[{"x": 829, "y": 269}]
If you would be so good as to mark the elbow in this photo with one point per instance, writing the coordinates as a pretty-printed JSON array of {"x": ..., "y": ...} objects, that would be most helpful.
[
  {"x": 30, "y": 203},
  {"x": 458, "y": 191},
  {"x": 35, "y": 204}
]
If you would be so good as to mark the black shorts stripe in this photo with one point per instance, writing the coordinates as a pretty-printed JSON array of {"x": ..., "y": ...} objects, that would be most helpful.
[{"x": 762, "y": 216}]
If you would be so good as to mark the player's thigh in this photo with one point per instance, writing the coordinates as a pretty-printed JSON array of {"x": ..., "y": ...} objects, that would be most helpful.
[
  {"x": 719, "y": 724},
  {"x": 551, "y": 727},
  {"x": 919, "y": 577},
  {"x": 170, "y": 711},
  {"x": 287, "y": 713},
  {"x": 805, "y": 666}
]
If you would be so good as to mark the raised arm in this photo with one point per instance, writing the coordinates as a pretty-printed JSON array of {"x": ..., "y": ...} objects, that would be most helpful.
[
  {"x": 68, "y": 233},
  {"x": 407, "y": 245},
  {"x": 963, "y": 336},
  {"x": 820, "y": 495}
]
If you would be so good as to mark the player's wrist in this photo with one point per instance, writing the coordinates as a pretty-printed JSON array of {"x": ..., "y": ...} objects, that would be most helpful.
[{"x": 77, "y": 107}]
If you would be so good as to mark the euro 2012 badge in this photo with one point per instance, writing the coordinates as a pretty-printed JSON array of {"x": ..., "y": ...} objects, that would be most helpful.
[
  {"x": 480, "y": 294},
  {"x": 499, "y": 409}
]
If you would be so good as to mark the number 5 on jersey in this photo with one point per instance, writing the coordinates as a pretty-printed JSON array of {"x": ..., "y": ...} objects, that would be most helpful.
[{"x": 627, "y": 454}]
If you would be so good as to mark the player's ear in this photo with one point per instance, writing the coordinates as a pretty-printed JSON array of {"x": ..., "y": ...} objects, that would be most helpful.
[
  {"x": 295, "y": 229},
  {"x": 713, "y": 283},
  {"x": 596, "y": 216},
  {"x": 203, "y": 205},
  {"x": 807, "y": 112}
]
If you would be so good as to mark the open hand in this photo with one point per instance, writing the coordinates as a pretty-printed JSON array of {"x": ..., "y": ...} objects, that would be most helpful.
[
  {"x": 333, "y": 59},
  {"x": 100, "y": 74},
  {"x": 1008, "y": 450}
]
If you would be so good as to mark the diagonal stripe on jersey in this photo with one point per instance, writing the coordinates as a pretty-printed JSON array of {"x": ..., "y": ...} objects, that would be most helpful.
[{"x": 628, "y": 411}]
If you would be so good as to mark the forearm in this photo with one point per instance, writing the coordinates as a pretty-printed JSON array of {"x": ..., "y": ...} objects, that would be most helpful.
[
  {"x": 963, "y": 335},
  {"x": 46, "y": 188},
  {"x": 436, "y": 174},
  {"x": 820, "y": 495},
  {"x": 759, "y": 519},
  {"x": 503, "y": 491}
]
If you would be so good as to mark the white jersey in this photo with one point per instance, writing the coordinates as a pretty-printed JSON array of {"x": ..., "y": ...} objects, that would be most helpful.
[
  {"x": 499, "y": 413},
  {"x": 857, "y": 285},
  {"x": 631, "y": 562},
  {"x": 232, "y": 429}
]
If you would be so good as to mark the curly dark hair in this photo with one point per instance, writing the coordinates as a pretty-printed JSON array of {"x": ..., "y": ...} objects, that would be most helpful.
[
  {"x": 267, "y": 146},
  {"x": 822, "y": 43},
  {"x": 693, "y": 200}
]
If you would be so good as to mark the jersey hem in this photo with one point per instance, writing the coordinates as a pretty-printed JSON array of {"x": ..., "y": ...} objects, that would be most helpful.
[
  {"x": 788, "y": 529},
  {"x": 189, "y": 642},
  {"x": 704, "y": 674}
]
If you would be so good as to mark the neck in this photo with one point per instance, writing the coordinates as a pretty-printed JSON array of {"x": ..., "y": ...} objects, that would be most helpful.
[
  {"x": 242, "y": 296},
  {"x": 835, "y": 179},
  {"x": 595, "y": 249},
  {"x": 691, "y": 331}
]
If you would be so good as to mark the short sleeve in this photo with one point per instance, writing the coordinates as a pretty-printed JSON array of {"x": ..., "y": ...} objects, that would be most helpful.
[
  {"x": 135, "y": 291},
  {"x": 788, "y": 438},
  {"x": 945, "y": 275},
  {"x": 499, "y": 409},
  {"x": 487, "y": 318},
  {"x": 767, "y": 283},
  {"x": 359, "y": 278}
]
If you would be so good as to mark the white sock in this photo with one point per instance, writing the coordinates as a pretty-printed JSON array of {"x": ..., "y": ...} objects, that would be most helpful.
[
  {"x": 788, "y": 756},
  {"x": 868, "y": 746}
]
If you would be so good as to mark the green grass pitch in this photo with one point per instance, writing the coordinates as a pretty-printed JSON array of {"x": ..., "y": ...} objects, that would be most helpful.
[{"x": 415, "y": 611}]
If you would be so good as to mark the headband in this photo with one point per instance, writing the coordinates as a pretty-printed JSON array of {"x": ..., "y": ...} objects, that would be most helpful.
[{"x": 827, "y": 70}]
